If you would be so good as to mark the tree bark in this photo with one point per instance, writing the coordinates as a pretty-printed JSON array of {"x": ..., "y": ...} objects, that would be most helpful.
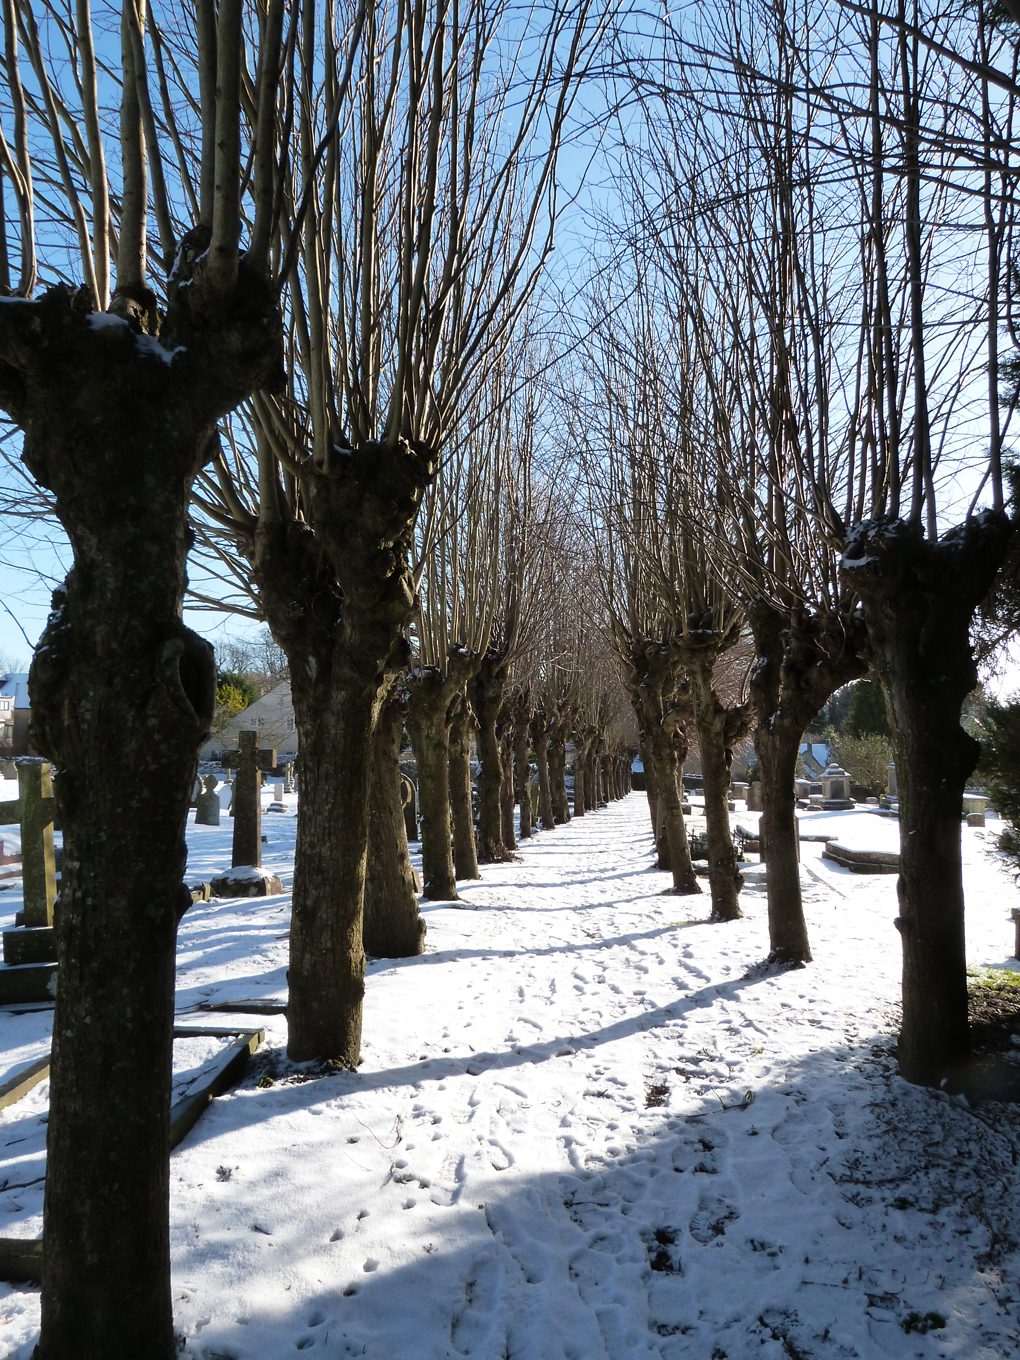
[
  {"x": 393, "y": 926},
  {"x": 651, "y": 786},
  {"x": 579, "y": 775},
  {"x": 507, "y": 799},
  {"x": 558, "y": 728},
  {"x": 522, "y": 771},
  {"x": 337, "y": 592},
  {"x": 594, "y": 791},
  {"x": 486, "y": 694},
  {"x": 664, "y": 712},
  {"x": 465, "y": 859},
  {"x": 919, "y": 600},
  {"x": 803, "y": 658},
  {"x": 719, "y": 729},
  {"x": 116, "y": 427},
  {"x": 540, "y": 736},
  {"x": 430, "y": 711},
  {"x": 558, "y": 780}
]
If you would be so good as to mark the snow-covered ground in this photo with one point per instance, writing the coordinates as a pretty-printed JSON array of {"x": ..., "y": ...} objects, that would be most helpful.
[{"x": 586, "y": 1127}]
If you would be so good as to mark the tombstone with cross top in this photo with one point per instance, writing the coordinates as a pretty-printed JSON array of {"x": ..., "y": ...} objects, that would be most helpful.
[
  {"x": 249, "y": 762},
  {"x": 35, "y": 940}
]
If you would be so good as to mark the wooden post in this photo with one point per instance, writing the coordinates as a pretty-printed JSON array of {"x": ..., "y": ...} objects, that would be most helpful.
[{"x": 1016, "y": 922}]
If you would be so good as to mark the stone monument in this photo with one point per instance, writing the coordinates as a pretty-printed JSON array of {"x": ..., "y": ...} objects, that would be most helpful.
[
  {"x": 208, "y": 803},
  {"x": 249, "y": 761},
  {"x": 836, "y": 789}
]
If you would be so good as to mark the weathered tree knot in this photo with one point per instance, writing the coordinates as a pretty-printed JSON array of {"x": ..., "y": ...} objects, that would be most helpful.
[
  {"x": 187, "y": 670},
  {"x": 136, "y": 305}
]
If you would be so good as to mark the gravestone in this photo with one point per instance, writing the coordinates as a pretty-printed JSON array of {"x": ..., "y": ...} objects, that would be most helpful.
[
  {"x": 409, "y": 798},
  {"x": 249, "y": 761},
  {"x": 836, "y": 789},
  {"x": 890, "y": 770},
  {"x": 288, "y": 777},
  {"x": 196, "y": 792},
  {"x": 277, "y": 793},
  {"x": 754, "y": 797},
  {"x": 738, "y": 789},
  {"x": 208, "y": 804},
  {"x": 34, "y": 810}
]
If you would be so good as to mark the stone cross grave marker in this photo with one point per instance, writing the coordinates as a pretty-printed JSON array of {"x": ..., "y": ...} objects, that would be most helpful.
[
  {"x": 35, "y": 809},
  {"x": 249, "y": 762},
  {"x": 208, "y": 803}
]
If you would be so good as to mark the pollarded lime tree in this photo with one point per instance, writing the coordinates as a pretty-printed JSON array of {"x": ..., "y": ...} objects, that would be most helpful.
[
  {"x": 755, "y": 267},
  {"x": 458, "y": 582},
  {"x": 432, "y": 194},
  {"x": 936, "y": 104},
  {"x": 117, "y": 387}
]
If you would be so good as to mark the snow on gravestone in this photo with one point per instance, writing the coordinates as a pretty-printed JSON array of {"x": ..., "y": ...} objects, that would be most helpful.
[{"x": 247, "y": 878}]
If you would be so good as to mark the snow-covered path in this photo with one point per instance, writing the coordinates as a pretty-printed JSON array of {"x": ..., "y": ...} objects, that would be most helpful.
[{"x": 588, "y": 1127}]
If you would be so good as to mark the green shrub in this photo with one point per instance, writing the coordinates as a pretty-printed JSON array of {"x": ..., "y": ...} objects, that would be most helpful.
[
  {"x": 865, "y": 758},
  {"x": 999, "y": 768}
]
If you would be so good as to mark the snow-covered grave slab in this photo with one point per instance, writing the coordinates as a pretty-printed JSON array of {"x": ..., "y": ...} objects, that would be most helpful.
[
  {"x": 589, "y": 1126},
  {"x": 198, "y": 1058}
]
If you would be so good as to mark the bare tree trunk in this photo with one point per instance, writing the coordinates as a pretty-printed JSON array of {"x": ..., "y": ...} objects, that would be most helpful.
[
  {"x": 337, "y": 599},
  {"x": 122, "y": 697},
  {"x": 651, "y": 785},
  {"x": 393, "y": 926},
  {"x": 579, "y": 774},
  {"x": 777, "y": 748},
  {"x": 802, "y": 659},
  {"x": 674, "y": 830},
  {"x": 465, "y": 859},
  {"x": 594, "y": 793},
  {"x": 506, "y": 794},
  {"x": 719, "y": 729},
  {"x": 522, "y": 772},
  {"x": 539, "y": 732},
  {"x": 326, "y": 975},
  {"x": 919, "y": 599},
  {"x": 558, "y": 779},
  {"x": 486, "y": 691},
  {"x": 429, "y": 716},
  {"x": 663, "y": 713}
]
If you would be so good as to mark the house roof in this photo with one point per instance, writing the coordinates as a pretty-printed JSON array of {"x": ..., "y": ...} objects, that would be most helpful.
[
  {"x": 272, "y": 716},
  {"x": 15, "y": 686}
]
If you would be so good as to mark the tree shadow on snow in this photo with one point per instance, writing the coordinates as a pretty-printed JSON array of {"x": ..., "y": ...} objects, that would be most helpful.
[{"x": 840, "y": 1213}]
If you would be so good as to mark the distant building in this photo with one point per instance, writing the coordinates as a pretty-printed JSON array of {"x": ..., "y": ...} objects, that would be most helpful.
[
  {"x": 272, "y": 716},
  {"x": 815, "y": 755},
  {"x": 15, "y": 714}
]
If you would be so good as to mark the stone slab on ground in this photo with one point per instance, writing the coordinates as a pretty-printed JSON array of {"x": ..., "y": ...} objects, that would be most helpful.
[
  {"x": 267, "y": 1005},
  {"x": 21, "y": 1258},
  {"x": 30, "y": 944},
  {"x": 27, "y": 982},
  {"x": 862, "y": 861},
  {"x": 246, "y": 880}
]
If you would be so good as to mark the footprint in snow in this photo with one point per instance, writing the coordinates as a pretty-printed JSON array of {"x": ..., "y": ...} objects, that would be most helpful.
[
  {"x": 710, "y": 1218},
  {"x": 473, "y": 1321},
  {"x": 523, "y": 1229},
  {"x": 447, "y": 1190}
]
